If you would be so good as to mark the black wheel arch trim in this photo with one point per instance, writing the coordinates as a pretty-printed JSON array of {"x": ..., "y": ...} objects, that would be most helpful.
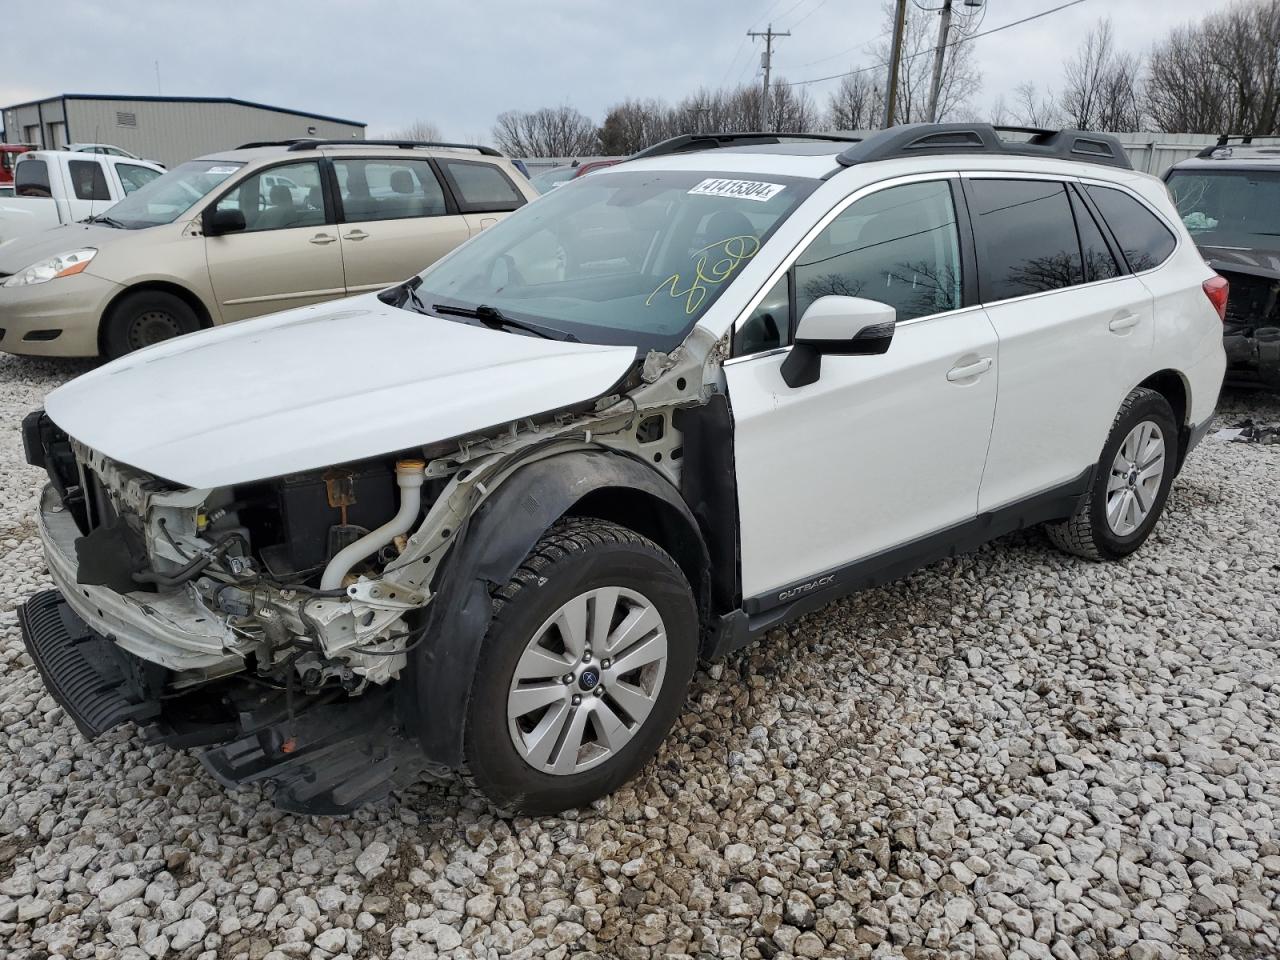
[{"x": 435, "y": 689}]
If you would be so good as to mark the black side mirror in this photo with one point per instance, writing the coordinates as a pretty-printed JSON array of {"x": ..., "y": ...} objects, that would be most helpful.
[
  {"x": 845, "y": 326},
  {"x": 223, "y": 220}
]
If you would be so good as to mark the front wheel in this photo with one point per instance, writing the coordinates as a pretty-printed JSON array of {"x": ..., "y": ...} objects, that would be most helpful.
[
  {"x": 583, "y": 671},
  {"x": 1130, "y": 484},
  {"x": 144, "y": 318}
]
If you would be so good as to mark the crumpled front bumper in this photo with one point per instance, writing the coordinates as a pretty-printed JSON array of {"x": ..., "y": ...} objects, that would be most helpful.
[{"x": 173, "y": 629}]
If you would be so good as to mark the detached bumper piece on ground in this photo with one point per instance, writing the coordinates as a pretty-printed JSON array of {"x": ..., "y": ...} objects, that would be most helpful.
[{"x": 323, "y": 759}]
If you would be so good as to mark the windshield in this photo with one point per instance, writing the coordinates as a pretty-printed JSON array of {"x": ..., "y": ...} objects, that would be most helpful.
[
  {"x": 631, "y": 258},
  {"x": 552, "y": 178},
  {"x": 1229, "y": 208},
  {"x": 169, "y": 196}
]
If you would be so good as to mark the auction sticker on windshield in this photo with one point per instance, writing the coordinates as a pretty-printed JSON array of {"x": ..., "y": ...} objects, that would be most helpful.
[{"x": 744, "y": 189}]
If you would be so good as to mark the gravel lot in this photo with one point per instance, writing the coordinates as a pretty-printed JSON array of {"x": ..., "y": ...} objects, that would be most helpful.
[{"x": 1015, "y": 754}]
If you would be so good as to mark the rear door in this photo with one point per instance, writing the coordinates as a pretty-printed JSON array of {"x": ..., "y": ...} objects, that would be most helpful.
[
  {"x": 1075, "y": 332},
  {"x": 396, "y": 220},
  {"x": 288, "y": 255}
]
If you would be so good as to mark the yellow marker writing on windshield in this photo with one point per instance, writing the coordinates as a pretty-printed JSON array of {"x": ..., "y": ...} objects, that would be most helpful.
[{"x": 712, "y": 264}]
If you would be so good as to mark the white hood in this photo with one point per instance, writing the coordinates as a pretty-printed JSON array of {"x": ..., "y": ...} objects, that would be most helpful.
[{"x": 320, "y": 385}]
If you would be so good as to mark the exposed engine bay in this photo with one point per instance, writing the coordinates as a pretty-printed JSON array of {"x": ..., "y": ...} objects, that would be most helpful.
[{"x": 232, "y": 611}]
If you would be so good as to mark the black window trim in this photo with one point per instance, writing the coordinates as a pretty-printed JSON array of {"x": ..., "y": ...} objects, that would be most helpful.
[
  {"x": 462, "y": 204},
  {"x": 246, "y": 172},
  {"x": 1086, "y": 182},
  {"x": 450, "y": 204},
  {"x": 1122, "y": 264},
  {"x": 786, "y": 267}
]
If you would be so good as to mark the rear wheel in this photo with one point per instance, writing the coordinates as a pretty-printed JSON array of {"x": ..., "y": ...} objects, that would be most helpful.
[
  {"x": 583, "y": 671},
  {"x": 145, "y": 318},
  {"x": 1130, "y": 485}
]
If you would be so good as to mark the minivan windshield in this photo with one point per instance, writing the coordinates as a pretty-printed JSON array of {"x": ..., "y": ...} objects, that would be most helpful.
[
  {"x": 620, "y": 257},
  {"x": 170, "y": 195},
  {"x": 1229, "y": 208}
]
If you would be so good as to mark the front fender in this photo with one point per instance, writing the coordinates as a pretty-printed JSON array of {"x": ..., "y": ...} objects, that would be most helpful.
[{"x": 436, "y": 685}]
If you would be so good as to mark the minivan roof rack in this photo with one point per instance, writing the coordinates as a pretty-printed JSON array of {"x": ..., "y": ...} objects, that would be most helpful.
[
  {"x": 690, "y": 142},
  {"x": 402, "y": 144},
  {"x": 924, "y": 139},
  {"x": 310, "y": 143}
]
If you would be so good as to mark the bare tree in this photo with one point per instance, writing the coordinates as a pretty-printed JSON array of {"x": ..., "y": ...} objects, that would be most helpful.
[
  {"x": 858, "y": 103},
  {"x": 418, "y": 130},
  {"x": 633, "y": 125},
  {"x": 1102, "y": 87},
  {"x": 549, "y": 132},
  {"x": 1220, "y": 75},
  {"x": 1031, "y": 109}
]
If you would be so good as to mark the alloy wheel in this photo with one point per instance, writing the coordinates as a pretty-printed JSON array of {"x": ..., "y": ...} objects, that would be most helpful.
[
  {"x": 587, "y": 680},
  {"x": 1134, "y": 481}
]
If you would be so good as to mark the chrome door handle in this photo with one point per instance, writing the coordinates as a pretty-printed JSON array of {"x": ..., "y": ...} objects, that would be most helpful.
[
  {"x": 354, "y": 235},
  {"x": 1124, "y": 322},
  {"x": 969, "y": 370},
  {"x": 323, "y": 238}
]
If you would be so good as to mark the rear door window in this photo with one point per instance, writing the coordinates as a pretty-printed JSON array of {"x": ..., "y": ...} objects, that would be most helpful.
[
  {"x": 388, "y": 190},
  {"x": 1144, "y": 240},
  {"x": 1026, "y": 237},
  {"x": 31, "y": 178},
  {"x": 88, "y": 180},
  {"x": 481, "y": 187}
]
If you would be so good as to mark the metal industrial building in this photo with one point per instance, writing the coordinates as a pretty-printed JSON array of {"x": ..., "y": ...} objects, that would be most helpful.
[{"x": 167, "y": 129}]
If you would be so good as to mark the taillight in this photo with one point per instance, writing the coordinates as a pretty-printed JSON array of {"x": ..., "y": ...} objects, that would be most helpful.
[{"x": 1216, "y": 289}]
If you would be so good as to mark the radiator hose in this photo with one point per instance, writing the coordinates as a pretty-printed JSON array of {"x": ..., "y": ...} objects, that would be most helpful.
[{"x": 410, "y": 475}]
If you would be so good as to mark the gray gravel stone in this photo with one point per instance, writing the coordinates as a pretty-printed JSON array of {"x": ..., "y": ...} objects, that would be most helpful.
[{"x": 1012, "y": 754}]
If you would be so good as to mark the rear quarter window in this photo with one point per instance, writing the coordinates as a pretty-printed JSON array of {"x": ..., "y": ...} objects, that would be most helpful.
[
  {"x": 88, "y": 180},
  {"x": 481, "y": 187},
  {"x": 31, "y": 179},
  {"x": 1144, "y": 240}
]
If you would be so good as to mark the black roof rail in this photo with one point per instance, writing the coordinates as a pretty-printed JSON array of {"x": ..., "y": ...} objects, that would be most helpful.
[
  {"x": 691, "y": 142},
  {"x": 920, "y": 139},
  {"x": 402, "y": 144},
  {"x": 1246, "y": 139},
  {"x": 255, "y": 144}
]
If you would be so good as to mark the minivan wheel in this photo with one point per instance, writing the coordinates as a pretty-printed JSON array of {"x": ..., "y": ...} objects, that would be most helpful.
[
  {"x": 1130, "y": 485},
  {"x": 583, "y": 671},
  {"x": 145, "y": 318}
]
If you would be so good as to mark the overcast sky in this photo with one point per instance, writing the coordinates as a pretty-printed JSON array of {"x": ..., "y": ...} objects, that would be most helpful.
[{"x": 459, "y": 64}]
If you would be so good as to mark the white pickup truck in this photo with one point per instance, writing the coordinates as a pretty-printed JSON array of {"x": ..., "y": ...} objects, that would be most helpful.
[{"x": 52, "y": 187}]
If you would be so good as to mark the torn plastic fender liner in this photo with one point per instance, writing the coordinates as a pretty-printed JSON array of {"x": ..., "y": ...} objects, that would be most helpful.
[{"x": 435, "y": 688}]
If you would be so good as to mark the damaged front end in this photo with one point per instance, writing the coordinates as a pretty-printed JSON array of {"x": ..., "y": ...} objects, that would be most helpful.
[
  {"x": 274, "y": 623},
  {"x": 1251, "y": 328}
]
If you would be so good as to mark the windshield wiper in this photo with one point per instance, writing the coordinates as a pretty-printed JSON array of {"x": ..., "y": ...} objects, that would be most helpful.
[
  {"x": 103, "y": 218},
  {"x": 495, "y": 319}
]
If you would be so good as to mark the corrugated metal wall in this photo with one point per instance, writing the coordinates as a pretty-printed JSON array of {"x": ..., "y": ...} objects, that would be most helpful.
[
  {"x": 167, "y": 131},
  {"x": 172, "y": 132},
  {"x": 1155, "y": 153}
]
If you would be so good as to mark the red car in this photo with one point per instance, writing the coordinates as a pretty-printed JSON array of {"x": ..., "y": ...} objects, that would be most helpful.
[{"x": 8, "y": 157}]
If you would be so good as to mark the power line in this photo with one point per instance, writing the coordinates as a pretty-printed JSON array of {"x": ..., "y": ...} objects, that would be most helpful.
[
  {"x": 929, "y": 52},
  {"x": 741, "y": 43},
  {"x": 812, "y": 11}
]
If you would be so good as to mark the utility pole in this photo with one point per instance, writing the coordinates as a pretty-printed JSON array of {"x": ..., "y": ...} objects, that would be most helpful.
[
  {"x": 766, "y": 61},
  {"x": 895, "y": 60},
  {"x": 939, "y": 57}
]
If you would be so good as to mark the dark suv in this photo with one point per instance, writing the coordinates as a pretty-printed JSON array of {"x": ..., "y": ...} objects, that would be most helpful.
[{"x": 1229, "y": 198}]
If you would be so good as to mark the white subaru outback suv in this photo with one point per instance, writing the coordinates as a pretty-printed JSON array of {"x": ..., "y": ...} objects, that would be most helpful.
[{"x": 488, "y": 520}]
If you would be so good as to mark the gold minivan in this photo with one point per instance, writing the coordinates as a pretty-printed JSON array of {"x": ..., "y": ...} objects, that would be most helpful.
[{"x": 249, "y": 231}]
